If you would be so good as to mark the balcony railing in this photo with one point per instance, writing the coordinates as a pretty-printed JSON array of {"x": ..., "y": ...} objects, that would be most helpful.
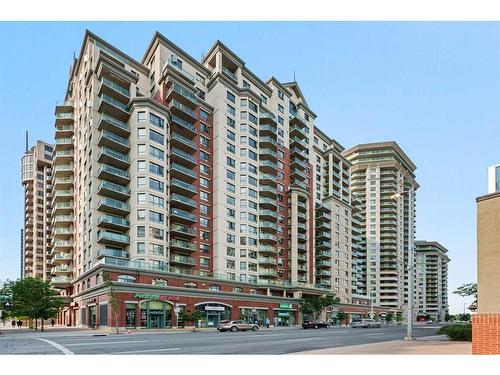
[
  {"x": 113, "y": 237},
  {"x": 183, "y": 245}
]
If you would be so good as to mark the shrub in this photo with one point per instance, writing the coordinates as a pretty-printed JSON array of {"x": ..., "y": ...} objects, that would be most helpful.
[{"x": 457, "y": 332}]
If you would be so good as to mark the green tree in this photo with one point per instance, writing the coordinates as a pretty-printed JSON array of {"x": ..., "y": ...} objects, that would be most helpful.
[
  {"x": 449, "y": 318},
  {"x": 314, "y": 305},
  {"x": 113, "y": 302},
  {"x": 342, "y": 316},
  {"x": 6, "y": 299},
  {"x": 389, "y": 317},
  {"x": 192, "y": 316},
  {"x": 468, "y": 290},
  {"x": 35, "y": 299},
  {"x": 399, "y": 317},
  {"x": 464, "y": 317}
]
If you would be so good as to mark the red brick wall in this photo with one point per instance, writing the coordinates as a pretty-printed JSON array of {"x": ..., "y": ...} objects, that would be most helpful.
[{"x": 486, "y": 334}]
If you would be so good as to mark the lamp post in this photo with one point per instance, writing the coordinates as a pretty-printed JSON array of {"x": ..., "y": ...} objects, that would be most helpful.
[{"x": 409, "y": 327}]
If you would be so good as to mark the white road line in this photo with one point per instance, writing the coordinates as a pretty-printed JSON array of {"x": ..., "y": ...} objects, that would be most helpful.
[
  {"x": 373, "y": 334},
  {"x": 144, "y": 351},
  {"x": 56, "y": 345},
  {"x": 307, "y": 339},
  {"x": 107, "y": 342}
]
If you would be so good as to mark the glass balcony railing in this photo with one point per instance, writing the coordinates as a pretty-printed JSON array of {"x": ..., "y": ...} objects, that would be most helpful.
[
  {"x": 64, "y": 141},
  {"x": 177, "y": 67},
  {"x": 185, "y": 93},
  {"x": 182, "y": 199},
  {"x": 182, "y": 184},
  {"x": 115, "y": 237},
  {"x": 62, "y": 256},
  {"x": 115, "y": 103},
  {"x": 113, "y": 170},
  {"x": 183, "y": 123},
  {"x": 114, "y": 204},
  {"x": 183, "y": 229},
  {"x": 115, "y": 154},
  {"x": 122, "y": 90},
  {"x": 115, "y": 138},
  {"x": 107, "y": 185},
  {"x": 229, "y": 73},
  {"x": 184, "y": 140},
  {"x": 183, "y": 214},
  {"x": 183, "y": 108},
  {"x": 182, "y": 259},
  {"x": 60, "y": 280},
  {"x": 182, "y": 154},
  {"x": 114, "y": 121},
  {"x": 183, "y": 169},
  {"x": 65, "y": 116},
  {"x": 183, "y": 244},
  {"x": 114, "y": 220},
  {"x": 111, "y": 253}
]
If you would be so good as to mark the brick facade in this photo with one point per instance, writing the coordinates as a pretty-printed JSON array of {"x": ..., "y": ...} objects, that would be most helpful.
[{"x": 486, "y": 334}]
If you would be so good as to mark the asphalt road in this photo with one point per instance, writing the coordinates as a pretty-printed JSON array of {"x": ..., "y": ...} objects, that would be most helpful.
[{"x": 271, "y": 341}]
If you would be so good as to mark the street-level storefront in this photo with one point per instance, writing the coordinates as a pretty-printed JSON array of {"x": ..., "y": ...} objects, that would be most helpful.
[
  {"x": 285, "y": 315},
  {"x": 214, "y": 313},
  {"x": 155, "y": 314},
  {"x": 254, "y": 315}
]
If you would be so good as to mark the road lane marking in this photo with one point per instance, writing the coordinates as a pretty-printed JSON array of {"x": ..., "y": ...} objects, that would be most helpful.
[
  {"x": 306, "y": 339},
  {"x": 107, "y": 342},
  {"x": 66, "y": 351},
  {"x": 144, "y": 351},
  {"x": 374, "y": 334}
]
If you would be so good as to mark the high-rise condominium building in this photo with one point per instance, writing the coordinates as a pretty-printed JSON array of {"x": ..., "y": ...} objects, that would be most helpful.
[
  {"x": 493, "y": 179},
  {"x": 195, "y": 182},
  {"x": 431, "y": 283},
  {"x": 36, "y": 177},
  {"x": 379, "y": 172}
]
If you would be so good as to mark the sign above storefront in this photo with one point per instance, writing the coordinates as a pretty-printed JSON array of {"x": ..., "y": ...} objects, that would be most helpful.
[
  {"x": 153, "y": 296},
  {"x": 215, "y": 308},
  {"x": 285, "y": 306}
]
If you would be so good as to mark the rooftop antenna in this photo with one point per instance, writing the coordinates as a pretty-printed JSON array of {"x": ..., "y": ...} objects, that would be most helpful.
[
  {"x": 26, "y": 141},
  {"x": 294, "y": 77}
]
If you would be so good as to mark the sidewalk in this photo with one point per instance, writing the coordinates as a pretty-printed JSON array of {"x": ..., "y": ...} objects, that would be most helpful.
[{"x": 421, "y": 346}]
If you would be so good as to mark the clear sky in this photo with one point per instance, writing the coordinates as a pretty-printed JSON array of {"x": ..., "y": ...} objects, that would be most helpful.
[{"x": 432, "y": 87}]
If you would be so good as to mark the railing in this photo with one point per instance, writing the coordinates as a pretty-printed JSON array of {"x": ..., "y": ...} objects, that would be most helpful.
[
  {"x": 182, "y": 229},
  {"x": 116, "y": 87},
  {"x": 113, "y": 220},
  {"x": 114, "y": 121},
  {"x": 182, "y": 259},
  {"x": 183, "y": 123},
  {"x": 64, "y": 141},
  {"x": 184, "y": 140},
  {"x": 115, "y": 103},
  {"x": 229, "y": 73},
  {"x": 183, "y": 154},
  {"x": 111, "y": 253},
  {"x": 185, "y": 93},
  {"x": 114, "y": 187},
  {"x": 114, "y": 170},
  {"x": 104, "y": 235},
  {"x": 116, "y": 138},
  {"x": 183, "y": 214},
  {"x": 171, "y": 63},
  {"x": 115, "y": 154},
  {"x": 182, "y": 199},
  {"x": 114, "y": 203},
  {"x": 183, "y": 244},
  {"x": 185, "y": 185},
  {"x": 183, "y": 108},
  {"x": 183, "y": 169}
]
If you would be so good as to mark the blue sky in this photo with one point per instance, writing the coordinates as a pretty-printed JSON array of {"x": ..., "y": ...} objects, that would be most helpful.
[{"x": 432, "y": 87}]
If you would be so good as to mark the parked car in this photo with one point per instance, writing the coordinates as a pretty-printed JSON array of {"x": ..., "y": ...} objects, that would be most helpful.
[
  {"x": 315, "y": 324},
  {"x": 365, "y": 323},
  {"x": 236, "y": 325}
]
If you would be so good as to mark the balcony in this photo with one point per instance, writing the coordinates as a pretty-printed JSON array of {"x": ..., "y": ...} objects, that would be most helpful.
[
  {"x": 301, "y": 237},
  {"x": 267, "y": 118},
  {"x": 113, "y": 107},
  {"x": 182, "y": 216},
  {"x": 302, "y": 268},
  {"x": 323, "y": 235},
  {"x": 63, "y": 196},
  {"x": 63, "y": 245},
  {"x": 266, "y": 272},
  {"x": 64, "y": 106},
  {"x": 178, "y": 92},
  {"x": 183, "y": 231},
  {"x": 61, "y": 270},
  {"x": 323, "y": 263},
  {"x": 114, "y": 141},
  {"x": 267, "y": 203},
  {"x": 61, "y": 281},
  {"x": 177, "y": 140},
  {"x": 108, "y": 172},
  {"x": 173, "y": 66},
  {"x": 114, "y": 90},
  {"x": 302, "y": 227},
  {"x": 107, "y": 122},
  {"x": 111, "y": 238},
  {"x": 323, "y": 272},
  {"x": 267, "y": 154},
  {"x": 113, "y": 206},
  {"x": 64, "y": 233},
  {"x": 269, "y": 215},
  {"x": 268, "y": 226},
  {"x": 64, "y": 157},
  {"x": 64, "y": 143},
  {"x": 269, "y": 130},
  {"x": 62, "y": 220},
  {"x": 182, "y": 157},
  {"x": 63, "y": 170},
  {"x": 267, "y": 179},
  {"x": 61, "y": 258},
  {"x": 298, "y": 164},
  {"x": 182, "y": 260},
  {"x": 182, "y": 172},
  {"x": 268, "y": 249},
  {"x": 63, "y": 207},
  {"x": 110, "y": 156},
  {"x": 268, "y": 261},
  {"x": 182, "y": 187},
  {"x": 298, "y": 143},
  {"x": 182, "y": 110},
  {"x": 182, "y": 245},
  {"x": 296, "y": 119},
  {"x": 267, "y": 237},
  {"x": 268, "y": 141},
  {"x": 268, "y": 166},
  {"x": 323, "y": 254},
  {"x": 64, "y": 131},
  {"x": 113, "y": 222},
  {"x": 183, "y": 127},
  {"x": 113, "y": 253},
  {"x": 66, "y": 118},
  {"x": 180, "y": 201},
  {"x": 110, "y": 189},
  {"x": 323, "y": 216},
  {"x": 268, "y": 191},
  {"x": 229, "y": 73},
  {"x": 301, "y": 216},
  {"x": 323, "y": 284}
]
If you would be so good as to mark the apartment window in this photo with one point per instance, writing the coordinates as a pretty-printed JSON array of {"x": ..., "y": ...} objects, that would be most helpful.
[
  {"x": 141, "y": 116},
  {"x": 230, "y": 162},
  {"x": 141, "y": 247},
  {"x": 204, "y": 262},
  {"x": 156, "y": 120},
  {"x": 157, "y": 233},
  {"x": 156, "y": 249},
  {"x": 204, "y": 155},
  {"x": 230, "y": 264},
  {"x": 156, "y": 201},
  {"x": 204, "y": 182},
  {"x": 156, "y": 153},
  {"x": 204, "y": 222},
  {"x": 156, "y": 137},
  {"x": 231, "y": 110},
  {"x": 246, "y": 84},
  {"x": 141, "y": 231},
  {"x": 141, "y": 198},
  {"x": 230, "y": 251},
  {"x": 231, "y": 148},
  {"x": 204, "y": 141},
  {"x": 204, "y": 128},
  {"x": 243, "y": 116},
  {"x": 230, "y": 187},
  {"x": 231, "y": 135},
  {"x": 141, "y": 133},
  {"x": 141, "y": 165},
  {"x": 141, "y": 215},
  {"x": 263, "y": 99},
  {"x": 230, "y": 200},
  {"x": 243, "y": 265},
  {"x": 156, "y": 217},
  {"x": 156, "y": 185},
  {"x": 203, "y": 209},
  {"x": 253, "y": 106},
  {"x": 230, "y": 122},
  {"x": 204, "y": 195},
  {"x": 243, "y": 103},
  {"x": 141, "y": 149},
  {"x": 156, "y": 169},
  {"x": 231, "y": 97},
  {"x": 141, "y": 182},
  {"x": 204, "y": 115},
  {"x": 281, "y": 121}
]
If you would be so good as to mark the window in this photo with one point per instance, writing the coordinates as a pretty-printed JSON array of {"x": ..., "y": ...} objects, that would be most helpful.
[
  {"x": 156, "y": 217},
  {"x": 155, "y": 136},
  {"x": 230, "y": 187},
  {"x": 246, "y": 84},
  {"x": 156, "y": 185},
  {"x": 126, "y": 279},
  {"x": 141, "y": 165},
  {"x": 141, "y": 247},
  {"x": 141, "y": 182},
  {"x": 281, "y": 109},
  {"x": 156, "y": 249},
  {"x": 204, "y": 115},
  {"x": 231, "y": 97},
  {"x": 156, "y": 169},
  {"x": 280, "y": 95},
  {"x": 231, "y": 135},
  {"x": 156, "y": 120},
  {"x": 203, "y": 208},
  {"x": 204, "y": 169},
  {"x": 230, "y": 162},
  {"x": 230, "y": 251},
  {"x": 237, "y": 290},
  {"x": 156, "y": 201},
  {"x": 156, "y": 153},
  {"x": 230, "y": 122},
  {"x": 141, "y": 133},
  {"x": 204, "y": 182},
  {"x": 205, "y": 262},
  {"x": 204, "y": 222},
  {"x": 263, "y": 99},
  {"x": 141, "y": 231},
  {"x": 141, "y": 116},
  {"x": 231, "y": 110},
  {"x": 243, "y": 103},
  {"x": 253, "y": 106},
  {"x": 204, "y": 141},
  {"x": 141, "y": 149},
  {"x": 204, "y": 155},
  {"x": 141, "y": 198}
]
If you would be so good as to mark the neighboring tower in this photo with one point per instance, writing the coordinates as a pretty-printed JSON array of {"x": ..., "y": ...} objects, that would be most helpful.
[
  {"x": 36, "y": 177},
  {"x": 378, "y": 172},
  {"x": 431, "y": 283},
  {"x": 494, "y": 179},
  {"x": 21, "y": 273}
]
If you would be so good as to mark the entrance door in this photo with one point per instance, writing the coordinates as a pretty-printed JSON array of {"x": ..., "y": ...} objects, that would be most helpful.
[
  {"x": 156, "y": 320},
  {"x": 213, "y": 320}
]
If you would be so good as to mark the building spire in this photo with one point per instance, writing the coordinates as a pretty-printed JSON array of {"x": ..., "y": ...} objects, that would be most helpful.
[{"x": 26, "y": 140}]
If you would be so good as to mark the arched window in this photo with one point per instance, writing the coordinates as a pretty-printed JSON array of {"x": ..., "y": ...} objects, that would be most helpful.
[
  {"x": 253, "y": 291},
  {"x": 215, "y": 288},
  {"x": 190, "y": 285},
  {"x": 159, "y": 282},
  {"x": 237, "y": 290},
  {"x": 126, "y": 279}
]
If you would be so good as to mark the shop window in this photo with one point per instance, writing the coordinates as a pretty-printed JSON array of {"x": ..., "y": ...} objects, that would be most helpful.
[
  {"x": 190, "y": 285},
  {"x": 215, "y": 288},
  {"x": 159, "y": 282},
  {"x": 237, "y": 290}
]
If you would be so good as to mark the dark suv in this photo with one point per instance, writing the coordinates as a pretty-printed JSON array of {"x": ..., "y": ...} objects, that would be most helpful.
[{"x": 315, "y": 324}]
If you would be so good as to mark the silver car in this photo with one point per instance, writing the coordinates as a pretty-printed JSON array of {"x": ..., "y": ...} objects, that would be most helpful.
[
  {"x": 365, "y": 323},
  {"x": 236, "y": 325}
]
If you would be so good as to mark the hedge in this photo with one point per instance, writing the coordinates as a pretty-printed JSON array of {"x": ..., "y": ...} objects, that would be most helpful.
[{"x": 457, "y": 332}]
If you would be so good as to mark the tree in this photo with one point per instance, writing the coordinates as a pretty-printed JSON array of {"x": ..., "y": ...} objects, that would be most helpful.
[
  {"x": 35, "y": 299},
  {"x": 464, "y": 317},
  {"x": 6, "y": 299},
  {"x": 389, "y": 317},
  {"x": 193, "y": 316},
  {"x": 449, "y": 318},
  {"x": 342, "y": 316},
  {"x": 399, "y": 317},
  {"x": 113, "y": 302},
  {"x": 468, "y": 290},
  {"x": 314, "y": 305}
]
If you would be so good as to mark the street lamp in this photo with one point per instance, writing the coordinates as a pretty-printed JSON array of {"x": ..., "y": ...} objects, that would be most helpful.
[{"x": 409, "y": 327}]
